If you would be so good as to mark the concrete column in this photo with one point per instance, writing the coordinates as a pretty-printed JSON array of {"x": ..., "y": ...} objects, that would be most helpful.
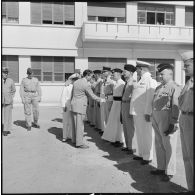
[
  {"x": 24, "y": 63},
  {"x": 179, "y": 15},
  {"x": 131, "y": 12},
  {"x": 81, "y": 63},
  {"x": 80, "y": 13},
  {"x": 24, "y": 13},
  {"x": 178, "y": 72}
]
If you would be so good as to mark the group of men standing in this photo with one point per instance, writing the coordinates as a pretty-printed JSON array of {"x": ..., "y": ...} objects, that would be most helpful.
[{"x": 119, "y": 108}]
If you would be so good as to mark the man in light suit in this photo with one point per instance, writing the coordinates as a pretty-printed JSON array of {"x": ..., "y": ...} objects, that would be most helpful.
[
  {"x": 81, "y": 89},
  {"x": 9, "y": 90},
  {"x": 141, "y": 109}
]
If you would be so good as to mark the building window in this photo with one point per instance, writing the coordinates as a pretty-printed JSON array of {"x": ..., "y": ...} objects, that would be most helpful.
[
  {"x": 155, "y": 63},
  {"x": 59, "y": 13},
  {"x": 11, "y": 62},
  {"x": 156, "y": 14},
  {"x": 10, "y": 12},
  {"x": 52, "y": 69},
  {"x": 98, "y": 63},
  {"x": 189, "y": 16},
  {"x": 106, "y": 12}
]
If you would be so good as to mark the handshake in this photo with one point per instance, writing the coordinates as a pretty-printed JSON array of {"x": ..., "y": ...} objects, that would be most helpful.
[{"x": 102, "y": 100}]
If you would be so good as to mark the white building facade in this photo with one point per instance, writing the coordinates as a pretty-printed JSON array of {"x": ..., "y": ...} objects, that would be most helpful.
[{"x": 57, "y": 39}]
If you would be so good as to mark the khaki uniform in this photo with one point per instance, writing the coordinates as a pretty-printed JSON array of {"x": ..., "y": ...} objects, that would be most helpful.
[
  {"x": 30, "y": 93},
  {"x": 166, "y": 112},
  {"x": 127, "y": 119},
  {"x": 7, "y": 103},
  {"x": 187, "y": 130}
]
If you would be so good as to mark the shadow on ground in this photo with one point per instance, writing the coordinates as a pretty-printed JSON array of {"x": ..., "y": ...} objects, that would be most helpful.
[
  {"x": 20, "y": 123},
  {"x": 144, "y": 181},
  {"x": 57, "y": 120}
]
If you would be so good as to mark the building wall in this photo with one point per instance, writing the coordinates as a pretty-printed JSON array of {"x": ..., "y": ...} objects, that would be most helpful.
[{"x": 26, "y": 40}]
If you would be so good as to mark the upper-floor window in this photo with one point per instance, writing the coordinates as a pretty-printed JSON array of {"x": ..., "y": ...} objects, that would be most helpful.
[
  {"x": 10, "y": 12},
  {"x": 156, "y": 14},
  {"x": 96, "y": 63},
  {"x": 60, "y": 13},
  {"x": 52, "y": 69},
  {"x": 106, "y": 12},
  {"x": 155, "y": 62},
  {"x": 189, "y": 16},
  {"x": 12, "y": 63}
]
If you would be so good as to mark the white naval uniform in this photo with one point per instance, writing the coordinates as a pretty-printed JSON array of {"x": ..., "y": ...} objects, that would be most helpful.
[
  {"x": 141, "y": 104},
  {"x": 114, "y": 129},
  {"x": 67, "y": 116}
]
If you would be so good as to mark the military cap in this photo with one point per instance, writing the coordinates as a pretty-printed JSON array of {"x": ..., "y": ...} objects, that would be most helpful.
[
  {"x": 97, "y": 71},
  {"x": 75, "y": 75},
  {"x": 143, "y": 64},
  {"x": 163, "y": 66},
  {"x": 117, "y": 70},
  {"x": 187, "y": 55},
  {"x": 29, "y": 71},
  {"x": 106, "y": 68},
  {"x": 5, "y": 69},
  {"x": 129, "y": 67}
]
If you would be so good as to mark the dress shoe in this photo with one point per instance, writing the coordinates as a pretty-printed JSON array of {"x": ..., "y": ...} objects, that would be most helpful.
[
  {"x": 146, "y": 162},
  {"x": 28, "y": 128},
  {"x": 130, "y": 151},
  {"x": 64, "y": 140},
  {"x": 125, "y": 149},
  {"x": 166, "y": 178},
  {"x": 157, "y": 172},
  {"x": 82, "y": 146},
  {"x": 118, "y": 144},
  {"x": 137, "y": 158},
  {"x": 35, "y": 125},
  {"x": 101, "y": 132}
]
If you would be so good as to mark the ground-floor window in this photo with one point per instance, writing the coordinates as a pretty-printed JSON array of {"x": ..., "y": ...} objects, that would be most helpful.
[
  {"x": 95, "y": 63},
  {"x": 11, "y": 62},
  {"x": 52, "y": 69},
  {"x": 156, "y": 62}
]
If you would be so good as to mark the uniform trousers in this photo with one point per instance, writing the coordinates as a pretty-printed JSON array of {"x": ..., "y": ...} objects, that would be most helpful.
[
  {"x": 7, "y": 117},
  {"x": 67, "y": 125},
  {"x": 98, "y": 116},
  {"x": 102, "y": 114},
  {"x": 128, "y": 124},
  {"x": 30, "y": 99},
  {"x": 165, "y": 145},
  {"x": 145, "y": 137},
  {"x": 186, "y": 133},
  {"x": 78, "y": 128},
  {"x": 107, "y": 108}
]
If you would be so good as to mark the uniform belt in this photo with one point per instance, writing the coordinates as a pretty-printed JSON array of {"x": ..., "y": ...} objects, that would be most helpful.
[
  {"x": 125, "y": 101},
  {"x": 116, "y": 98},
  {"x": 31, "y": 91},
  {"x": 187, "y": 113},
  {"x": 109, "y": 94}
]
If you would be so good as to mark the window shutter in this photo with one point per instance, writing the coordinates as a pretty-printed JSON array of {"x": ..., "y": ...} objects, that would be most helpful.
[
  {"x": 35, "y": 13},
  {"x": 69, "y": 11},
  {"x": 58, "y": 64},
  {"x": 189, "y": 16},
  {"x": 58, "y": 12},
  {"x": 12, "y": 63},
  {"x": 13, "y": 9},
  {"x": 3, "y": 8},
  {"x": 69, "y": 64},
  {"x": 106, "y": 9},
  {"x": 47, "y": 11},
  {"x": 47, "y": 64}
]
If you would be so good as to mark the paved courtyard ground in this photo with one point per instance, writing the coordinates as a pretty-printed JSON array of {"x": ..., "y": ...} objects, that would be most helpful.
[{"x": 38, "y": 162}]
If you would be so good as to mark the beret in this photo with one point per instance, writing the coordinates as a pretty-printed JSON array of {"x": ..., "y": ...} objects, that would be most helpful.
[
  {"x": 117, "y": 70},
  {"x": 163, "y": 66},
  {"x": 106, "y": 68},
  {"x": 129, "y": 67},
  {"x": 5, "y": 69},
  {"x": 97, "y": 71}
]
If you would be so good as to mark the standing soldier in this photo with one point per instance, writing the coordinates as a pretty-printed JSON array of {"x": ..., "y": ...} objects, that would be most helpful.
[
  {"x": 186, "y": 120},
  {"x": 165, "y": 122},
  {"x": 141, "y": 109},
  {"x": 30, "y": 93},
  {"x": 7, "y": 101},
  {"x": 127, "y": 119}
]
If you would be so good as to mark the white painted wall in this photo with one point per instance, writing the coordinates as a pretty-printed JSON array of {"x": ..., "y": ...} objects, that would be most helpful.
[
  {"x": 179, "y": 15},
  {"x": 131, "y": 10},
  {"x": 24, "y": 12},
  {"x": 81, "y": 63}
]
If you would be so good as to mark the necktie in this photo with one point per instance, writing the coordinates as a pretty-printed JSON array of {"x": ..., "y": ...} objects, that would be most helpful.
[{"x": 124, "y": 88}]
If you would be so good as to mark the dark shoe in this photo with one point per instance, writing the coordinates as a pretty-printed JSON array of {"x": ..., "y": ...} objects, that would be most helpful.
[
  {"x": 130, "y": 151},
  {"x": 146, "y": 162},
  {"x": 4, "y": 133},
  {"x": 118, "y": 144},
  {"x": 137, "y": 158},
  {"x": 101, "y": 132},
  {"x": 125, "y": 149},
  {"x": 28, "y": 128},
  {"x": 82, "y": 146},
  {"x": 35, "y": 125},
  {"x": 157, "y": 172},
  {"x": 64, "y": 140},
  {"x": 166, "y": 178}
]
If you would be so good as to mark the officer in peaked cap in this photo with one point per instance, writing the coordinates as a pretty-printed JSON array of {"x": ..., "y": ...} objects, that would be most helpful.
[
  {"x": 127, "y": 119},
  {"x": 141, "y": 109},
  {"x": 8, "y": 88},
  {"x": 186, "y": 122},
  {"x": 30, "y": 93},
  {"x": 165, "y": 122}
]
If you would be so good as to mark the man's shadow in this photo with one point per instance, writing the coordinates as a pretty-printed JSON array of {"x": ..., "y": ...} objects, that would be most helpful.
[
  {"x": 20, "y": 123},
  {"x": 143, "y": 180}
]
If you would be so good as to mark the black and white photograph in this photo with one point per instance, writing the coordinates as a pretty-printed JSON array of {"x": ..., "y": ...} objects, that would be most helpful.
[{"x": 97, "y": 97}]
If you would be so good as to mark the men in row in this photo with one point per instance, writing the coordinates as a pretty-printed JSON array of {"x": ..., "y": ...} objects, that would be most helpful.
[{"x": 9, "y": 90}]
